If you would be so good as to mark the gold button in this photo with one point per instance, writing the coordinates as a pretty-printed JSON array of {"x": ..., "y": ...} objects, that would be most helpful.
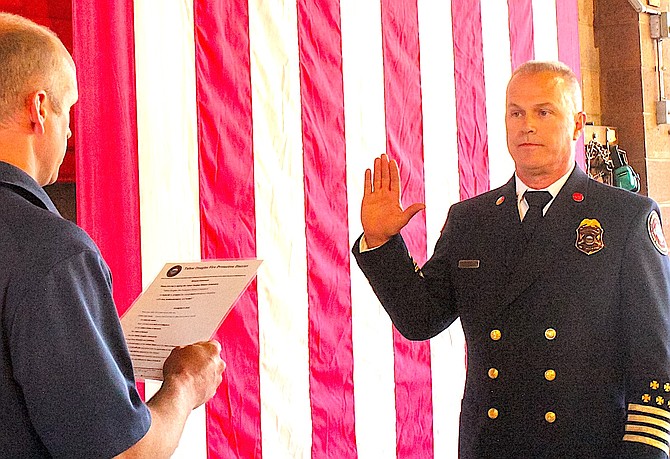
[
  {"x": 496, "y": 335},
  {"x": 550, "y": 416},
  {"x": 493, "y": 373},
  {"x": 493, "y": 413},
  {"x": 550, "y": 333},
  {"x": 550, "y": 375}
]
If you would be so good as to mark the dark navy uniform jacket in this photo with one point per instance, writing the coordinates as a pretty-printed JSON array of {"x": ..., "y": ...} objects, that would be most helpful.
[{"x": 568, "y": 335}]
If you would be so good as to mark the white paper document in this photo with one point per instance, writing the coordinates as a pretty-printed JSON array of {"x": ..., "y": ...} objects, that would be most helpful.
[{"x": 186, "y": 303}]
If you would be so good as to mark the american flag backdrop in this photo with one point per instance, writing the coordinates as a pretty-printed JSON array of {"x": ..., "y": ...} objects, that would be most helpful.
[{"x": 218, "y": 129}]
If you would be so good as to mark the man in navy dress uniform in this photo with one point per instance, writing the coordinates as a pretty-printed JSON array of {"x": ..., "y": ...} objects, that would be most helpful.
[{"x": 562, "y": 285}]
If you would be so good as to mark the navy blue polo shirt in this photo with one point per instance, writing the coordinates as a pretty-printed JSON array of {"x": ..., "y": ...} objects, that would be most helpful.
[{"x": 66, "y": 379}]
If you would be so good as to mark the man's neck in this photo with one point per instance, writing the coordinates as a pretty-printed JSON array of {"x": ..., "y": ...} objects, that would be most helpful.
[
  {"x": 542, "y": 181},
  {"x": 553, "y": 185},
  {"x": 17, "y": 150}
]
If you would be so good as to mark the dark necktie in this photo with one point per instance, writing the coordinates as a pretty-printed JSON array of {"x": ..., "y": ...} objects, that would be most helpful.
[{"x": 536, "y": 201}]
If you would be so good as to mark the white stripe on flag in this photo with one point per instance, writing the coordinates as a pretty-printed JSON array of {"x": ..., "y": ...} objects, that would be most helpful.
[
  {"x": 166, "y": 112},
  {"x": 168, "y": 157},
  {"x": 545, "y": 30},
  {"x": 497, "y": 70},
  {"x": 442, "y": 190},
  {"x": 280, "y": 214},
  {"x": 439, "y": 115},
  {"x": 365, "y": 139}
]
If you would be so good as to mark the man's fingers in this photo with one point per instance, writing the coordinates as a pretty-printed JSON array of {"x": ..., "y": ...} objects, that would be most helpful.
[
  {"x": 383, "y": 174},
  {"x": 377, "y": 175},
  {"x": 394, "y": 176},
  {"x": 367, "y": 186},
  {"x": 412, "y": 210},
  {"x": 384, "y": 164},
  {"x": 217, "y": 345}
]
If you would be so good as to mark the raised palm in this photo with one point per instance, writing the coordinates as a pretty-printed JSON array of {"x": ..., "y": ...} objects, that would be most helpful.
[{"x": 382, "y": 215}]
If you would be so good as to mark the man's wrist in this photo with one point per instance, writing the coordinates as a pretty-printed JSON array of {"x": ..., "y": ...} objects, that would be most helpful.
[{"x": 371, "y": 243}]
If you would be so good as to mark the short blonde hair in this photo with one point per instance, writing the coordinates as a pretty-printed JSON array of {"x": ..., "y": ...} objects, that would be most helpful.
[
  {"x": 31, "y": 58},
  {"x": 559, "y": 69}
]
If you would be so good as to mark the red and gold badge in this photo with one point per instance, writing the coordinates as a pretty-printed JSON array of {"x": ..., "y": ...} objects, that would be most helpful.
[
  {"x": 589, "y": 236},
  {"x": 656, "y": 232}
]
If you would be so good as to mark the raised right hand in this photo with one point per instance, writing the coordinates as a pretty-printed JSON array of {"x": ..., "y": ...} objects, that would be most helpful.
[{"x": 382, "y": 215}]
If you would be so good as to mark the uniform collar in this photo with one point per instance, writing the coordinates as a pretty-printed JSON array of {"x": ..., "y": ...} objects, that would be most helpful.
[
  {"x": 553, "y": 189},
  {"x": 23, "y": 184}
]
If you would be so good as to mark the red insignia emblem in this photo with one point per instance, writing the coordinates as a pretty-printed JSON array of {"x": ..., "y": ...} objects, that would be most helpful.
[
  {"x": 500, "y": 200},
  {"x": 656, "y": 233},
  {"x": 589, "y": 236},
  {"x": 577, "y": 197}
]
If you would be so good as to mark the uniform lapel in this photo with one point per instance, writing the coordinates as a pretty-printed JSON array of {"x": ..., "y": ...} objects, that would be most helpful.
[
  {"x": 532, "y": 259},
  {"x": 509, "y": 225}
]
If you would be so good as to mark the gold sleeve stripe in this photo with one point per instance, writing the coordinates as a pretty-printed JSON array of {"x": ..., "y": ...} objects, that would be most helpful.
[
  {"x": 649, "y": 430},
  {"x": 649, "y": 420},
  {"x": 649, "y": 409},
  {"x": 647, "y": 441}
]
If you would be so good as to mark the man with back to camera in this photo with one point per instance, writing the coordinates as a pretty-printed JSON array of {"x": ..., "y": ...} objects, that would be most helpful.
[
  {"x": 66, "y": 379},
  {"x": 562, "y": 285}
]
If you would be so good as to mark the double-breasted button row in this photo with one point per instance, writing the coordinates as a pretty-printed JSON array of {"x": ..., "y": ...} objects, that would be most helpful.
[
  {"x": 549, "y": 374},
  {"x": 549, "y": 333},
  {"x": 549, "y": 416}
]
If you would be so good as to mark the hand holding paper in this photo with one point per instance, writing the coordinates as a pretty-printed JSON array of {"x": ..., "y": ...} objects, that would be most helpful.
[
  {"x": 200, "y": 364},
  {"x": 186, "y": 303}
]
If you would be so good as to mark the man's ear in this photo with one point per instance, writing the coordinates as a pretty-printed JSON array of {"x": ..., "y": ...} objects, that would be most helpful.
[
  {"x": 38, "y": 111},
  {"x": 580, "y": 121}
]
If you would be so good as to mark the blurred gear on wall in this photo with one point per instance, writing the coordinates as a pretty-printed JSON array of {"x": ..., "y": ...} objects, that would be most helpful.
[{"x": 607, "y": 163}]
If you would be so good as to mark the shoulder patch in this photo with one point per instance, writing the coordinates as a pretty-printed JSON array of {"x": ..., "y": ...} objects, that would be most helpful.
[{"x": 656, "y": 232}]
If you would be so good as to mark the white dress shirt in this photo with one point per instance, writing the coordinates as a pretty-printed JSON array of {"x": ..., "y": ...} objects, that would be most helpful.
[{"x": 553, "y": 189}]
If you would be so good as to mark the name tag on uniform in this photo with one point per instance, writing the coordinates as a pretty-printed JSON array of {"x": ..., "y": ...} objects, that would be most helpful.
[{"x": 468, "y": 264}]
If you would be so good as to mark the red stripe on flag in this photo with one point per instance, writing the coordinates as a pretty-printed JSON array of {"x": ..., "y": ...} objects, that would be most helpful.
[
  {"x": 473, "y": 162},
  {"x": 404, "y": 130},
  {"x": 326, "y": 224},
  {"x": 227, "y": 213},
  {"x": 567, "y": 26},
  {"x": 520, "y": 31},
  {"x": 106, "y": 142}
]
